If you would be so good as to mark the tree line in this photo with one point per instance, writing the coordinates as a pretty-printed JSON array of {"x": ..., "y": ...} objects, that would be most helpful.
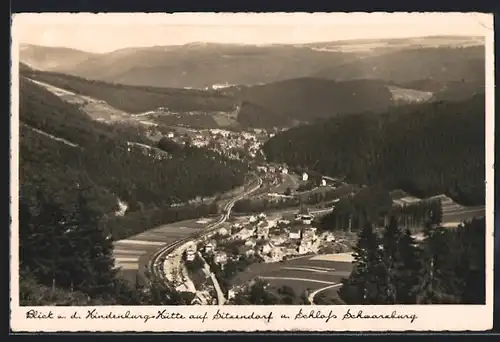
[
  {"x": 66, "y": 259},
  {"x": 326, "y": 197},
  {"x": 375, "y": 205},
  {"x": 424, "y": 149},
  {"x": 391, "y": 267},
  {"x": 138, "y": 99}
]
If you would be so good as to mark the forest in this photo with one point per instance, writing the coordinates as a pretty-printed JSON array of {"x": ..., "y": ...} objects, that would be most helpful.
[
  {"x": 66, "y": 259},
  {"x": 137, "y": 99},
  {"x": 72, "y": 173},
  {"x": 424, "y": 149},
  {"x": 374, "y": 204},
  {"x": 391, "y": 267},
  {"x": 104, "y": 161}
]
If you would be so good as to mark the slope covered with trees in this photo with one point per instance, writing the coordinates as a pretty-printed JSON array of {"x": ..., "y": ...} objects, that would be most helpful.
[
  {"x": 390, "y": 267},
  {"x": 440, "y": 64},
  {"x": 136, "y": 99},
  {"x": 307, "y": 99},
  {"x": 424, "y": 149},
  {"x": 72, "y": 172},
  {"x": 66, "y": 258},
  {"x": 104, "y": 161},
  {"x": 275, "y": 104}
]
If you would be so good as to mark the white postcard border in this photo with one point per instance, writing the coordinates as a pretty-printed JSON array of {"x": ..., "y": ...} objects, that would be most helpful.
[{"x": 428, "y": 317}]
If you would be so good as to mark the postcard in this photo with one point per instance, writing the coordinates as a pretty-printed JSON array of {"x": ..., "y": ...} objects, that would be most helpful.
[{"x": 252, "y": 172}]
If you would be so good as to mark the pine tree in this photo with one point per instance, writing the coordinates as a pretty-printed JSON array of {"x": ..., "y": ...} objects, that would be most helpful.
[
  {"x": 94, "y": 272},
  {"x": 43, "y": 246},
  {"x": 26, "y": 234},
  {"x": 362, "y": 286},
  {"x": 470, "y": 258},
  {"x": 392, "y": 262},
  {"x": 435, "y": 272},
  {"x": 407, "y": 273}
]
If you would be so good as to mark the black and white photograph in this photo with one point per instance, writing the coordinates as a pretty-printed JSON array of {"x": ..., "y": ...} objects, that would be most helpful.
[{"x": 247, "y": 160}]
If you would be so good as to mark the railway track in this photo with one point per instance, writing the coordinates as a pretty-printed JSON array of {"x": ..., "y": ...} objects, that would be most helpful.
[{"x": 153, "y": 266}]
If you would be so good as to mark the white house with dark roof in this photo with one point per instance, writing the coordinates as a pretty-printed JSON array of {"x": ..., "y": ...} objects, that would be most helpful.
[{"x": 305, "y": 176}]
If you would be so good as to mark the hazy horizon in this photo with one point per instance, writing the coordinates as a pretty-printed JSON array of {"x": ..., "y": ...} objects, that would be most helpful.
[
  {"x": 247, "y": 44},
  {"x": 102, "y": 33}
]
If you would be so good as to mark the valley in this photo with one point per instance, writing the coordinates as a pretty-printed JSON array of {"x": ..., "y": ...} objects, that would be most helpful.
[{"x": 239, "y": 174}]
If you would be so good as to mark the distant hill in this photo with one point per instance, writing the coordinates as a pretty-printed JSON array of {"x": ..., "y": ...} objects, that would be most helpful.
[
  {"x": 440, "y": 65},
  {"x": 424, "y": 149},
  {"x": 201, "y": 65},
  {"x": 52, "y": 58},
  {"x": 191, "y": 65}
]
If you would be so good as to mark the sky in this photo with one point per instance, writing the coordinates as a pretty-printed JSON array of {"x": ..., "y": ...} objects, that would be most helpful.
[{"x": 108, "y": 32}]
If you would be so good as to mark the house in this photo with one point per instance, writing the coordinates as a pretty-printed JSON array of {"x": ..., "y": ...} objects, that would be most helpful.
[
  {"x": 209, "y": 248},
  {"x": 196, "y": 301},
  {"x": 304, "y": 247},
  {"x": 262, "y": 216},
  {"x": 279, "y": 239},
  {"x": 223, "y": 232},
  {"x": 250, "y": 243},
  {"x": 323, "y": 182},
  {"x": 170, "y": 135},
  {"x": 329, "y": 237},
  {"x": 244, "y": 234},
  {"x": 266, "y": 248},
  {"x": 220, "y": 257},
  {"x": 192, "y": 246},
  {"x": 284, "y": 170},
  {"x": 252, "y": 219},
  {"x": 276, "y": 253},
  {"x": 262, "y": 231},
  {"x": 309, "y": 234},
  {"x": 305, "y": 177},
  {"x": 306, "y": 219},
  {"x": 272, "y": 169},
  {"x": 283, "y": 222},
  {"x": 295, "y": 233},
  {"x": 190, "y": 255}
]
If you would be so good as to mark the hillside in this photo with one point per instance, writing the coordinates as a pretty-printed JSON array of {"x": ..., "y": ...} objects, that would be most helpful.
[
  {"x": 199, "y": 65},
  {"x": 105, "y": 163},
  {"x": 439, "y": 64},
  {"x": 423, "y": 149},
  {"x": 275, "y": 104},
  {"x": 52, "y": 58},
  {"x": 307, "y": 99},
  {"x": 134, "y": 99}
]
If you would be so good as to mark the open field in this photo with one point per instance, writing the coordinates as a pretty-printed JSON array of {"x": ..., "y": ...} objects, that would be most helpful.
[
  {"x": 453, "y": 213},
  {"x": 133, "y": 253},
  {"x": 310, "y": 272}
]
